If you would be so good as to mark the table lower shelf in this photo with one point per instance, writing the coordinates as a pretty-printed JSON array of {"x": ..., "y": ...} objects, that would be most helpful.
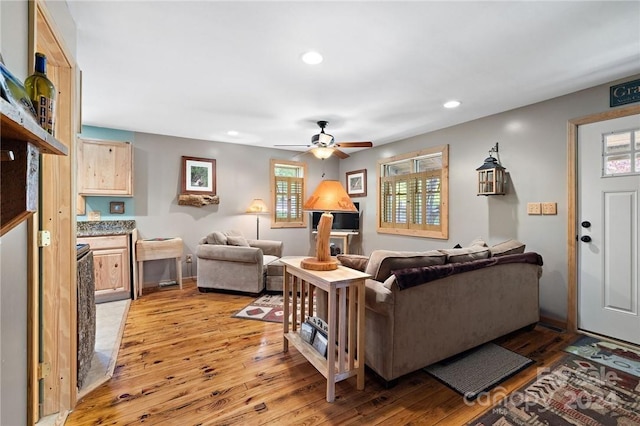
[{"x": 317, "y": 360}]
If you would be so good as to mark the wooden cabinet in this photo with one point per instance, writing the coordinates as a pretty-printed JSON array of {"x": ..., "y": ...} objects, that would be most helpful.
[
  {"x": 22, "y": 141},
  {"x": 105, "y": 167},
  {"x": 112, "y": 266}
]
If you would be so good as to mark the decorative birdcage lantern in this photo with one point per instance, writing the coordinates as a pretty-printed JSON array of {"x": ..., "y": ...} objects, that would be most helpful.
[{"x": 492, "y": 177}]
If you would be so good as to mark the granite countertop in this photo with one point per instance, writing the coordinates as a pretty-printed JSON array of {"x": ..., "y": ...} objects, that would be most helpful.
[{"x": 105, "y": 227}]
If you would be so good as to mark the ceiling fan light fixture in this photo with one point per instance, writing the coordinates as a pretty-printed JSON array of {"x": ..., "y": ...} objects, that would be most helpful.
[
  {"x": 312, "y": 58},
  {"x": 322, "y": 153},
  {"x": 322, "y": 139}
]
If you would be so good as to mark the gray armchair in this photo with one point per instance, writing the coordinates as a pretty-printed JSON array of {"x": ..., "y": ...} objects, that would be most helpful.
[{"x": 228, "y": 261}]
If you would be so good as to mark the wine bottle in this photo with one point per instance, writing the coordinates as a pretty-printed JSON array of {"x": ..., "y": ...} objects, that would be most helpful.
[{"x": 42, "y": 94}]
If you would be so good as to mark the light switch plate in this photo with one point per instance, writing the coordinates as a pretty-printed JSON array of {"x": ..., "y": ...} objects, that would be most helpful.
[
  {"x": 549, "y": 208},
  {"x": 533, "y": 208}
]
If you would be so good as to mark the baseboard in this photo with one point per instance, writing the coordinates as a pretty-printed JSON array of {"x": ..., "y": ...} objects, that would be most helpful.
[{"x": 554, "y": 323}]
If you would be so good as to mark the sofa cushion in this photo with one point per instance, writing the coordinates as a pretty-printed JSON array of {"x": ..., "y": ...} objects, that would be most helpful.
[
  {"x": 237, "y": 241},
  {"x": 466, "y": 254},
  {"x": 382, "y": 262},
  {"x": 507, "y": 247},
  {"x": 478, "y": 242},
  {"x": 354, "y": 261},
  {"x": 217, "y": 237}
]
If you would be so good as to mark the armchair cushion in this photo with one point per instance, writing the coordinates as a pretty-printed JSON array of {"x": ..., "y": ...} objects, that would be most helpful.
[
  {"x": 216, "y": 237},
  {"x": 237, "y": 241}
]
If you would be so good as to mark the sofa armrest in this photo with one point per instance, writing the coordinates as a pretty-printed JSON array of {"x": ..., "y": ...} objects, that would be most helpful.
[
  {"x": 378, "y": 297},
  {"x": 269, "y": 247},
  {"x": 229, "y": 253}
]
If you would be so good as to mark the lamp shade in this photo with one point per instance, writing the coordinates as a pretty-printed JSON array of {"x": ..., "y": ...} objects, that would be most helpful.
[
  {"x": 322, "y": 153},
  {"x": 258, "y": 206},
  {"x": 330, "y": 196}
]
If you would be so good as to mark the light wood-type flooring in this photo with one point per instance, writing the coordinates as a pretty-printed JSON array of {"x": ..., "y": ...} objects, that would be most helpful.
[{"x": 184, "y": 361}]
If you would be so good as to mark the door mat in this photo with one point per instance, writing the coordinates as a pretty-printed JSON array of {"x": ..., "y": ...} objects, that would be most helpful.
[
  {"x": 479, "y": 369},
  {"x": 607, "y": 353},
  {"x": 573, "y": 391}
]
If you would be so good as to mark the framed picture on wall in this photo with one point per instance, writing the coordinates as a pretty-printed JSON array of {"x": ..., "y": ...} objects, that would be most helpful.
[
  {"x": 198, "y": 175},
  {"x": 357, "y": 183}
]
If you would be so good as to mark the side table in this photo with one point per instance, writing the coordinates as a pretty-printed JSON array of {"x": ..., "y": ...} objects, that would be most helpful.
[
  {"x": 154, "y": 249},
  {"x": 346, "y": 357}
]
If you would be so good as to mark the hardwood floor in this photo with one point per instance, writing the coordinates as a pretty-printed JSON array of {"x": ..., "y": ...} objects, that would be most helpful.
[{"x": 185, "y": 361}]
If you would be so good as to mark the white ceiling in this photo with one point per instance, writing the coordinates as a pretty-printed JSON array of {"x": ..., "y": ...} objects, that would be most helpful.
[{"x": 198, "y": 69}]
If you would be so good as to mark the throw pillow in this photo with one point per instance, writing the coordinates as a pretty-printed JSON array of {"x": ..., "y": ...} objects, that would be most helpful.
[
  {"x": 217, "y": 237},
  {"x": 507, "y": 247},
  {"x": 478, "y": 242},
  {"x": 382, "y": 262},
  {"x": 354, "y": 261},
  {"x": 237, "y": 241},
  {"x": 466, "y": 254}
]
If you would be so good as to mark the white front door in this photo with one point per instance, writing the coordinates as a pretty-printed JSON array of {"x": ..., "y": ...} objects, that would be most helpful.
[{"x": 608, "y": 204}]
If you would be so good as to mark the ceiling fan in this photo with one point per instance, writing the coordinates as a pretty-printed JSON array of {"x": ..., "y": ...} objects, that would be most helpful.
[{"x": 324, "y": 145}]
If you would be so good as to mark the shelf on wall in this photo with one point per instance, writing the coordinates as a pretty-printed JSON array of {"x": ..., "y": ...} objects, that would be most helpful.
[{"x": 22, "y": 142}]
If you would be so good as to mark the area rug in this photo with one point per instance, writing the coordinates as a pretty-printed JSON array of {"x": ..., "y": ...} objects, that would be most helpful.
[
  {"x": 478, "y": 370},
  {"x": 268, "y": 307},
  {"x": 607, "y": 353},
  {"x": 573, "y": 391}
]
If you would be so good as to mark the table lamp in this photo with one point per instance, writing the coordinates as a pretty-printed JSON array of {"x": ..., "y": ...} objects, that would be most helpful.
[
  {"x": 329, "y": 196},
  {"x": 258, "y": 207}
]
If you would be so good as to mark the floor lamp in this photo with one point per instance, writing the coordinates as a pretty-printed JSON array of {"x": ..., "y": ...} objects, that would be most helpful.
[
  {"x": 329, "y": 196},
  {"x": 258, "y": 207}
]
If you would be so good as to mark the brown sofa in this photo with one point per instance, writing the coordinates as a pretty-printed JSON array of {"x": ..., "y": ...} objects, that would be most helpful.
[{"x": 423, "y": 307}]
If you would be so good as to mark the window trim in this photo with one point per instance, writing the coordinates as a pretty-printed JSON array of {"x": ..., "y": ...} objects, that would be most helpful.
[
  {"x": 272, "y": 186},
  {"x": 443, "y": 231}
]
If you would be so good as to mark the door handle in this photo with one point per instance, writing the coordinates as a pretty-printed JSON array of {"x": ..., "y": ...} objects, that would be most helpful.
[{"x": 585, "y": 239}]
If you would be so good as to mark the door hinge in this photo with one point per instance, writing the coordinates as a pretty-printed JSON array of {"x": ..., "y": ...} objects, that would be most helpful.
[
  {"x": 44, "y": 368},
  {"x": 44, "y": 238}
]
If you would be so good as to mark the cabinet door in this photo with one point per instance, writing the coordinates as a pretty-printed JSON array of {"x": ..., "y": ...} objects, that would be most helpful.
[
  {"x": 111, "y": 269},
  {"x": 105, "y": 167}
]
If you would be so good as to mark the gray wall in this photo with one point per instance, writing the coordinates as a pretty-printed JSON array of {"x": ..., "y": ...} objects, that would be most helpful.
[
  {"x": 13, "y": 245},
  {"x": 242, "y": 173},
  {"x": 533, "y": 148}
]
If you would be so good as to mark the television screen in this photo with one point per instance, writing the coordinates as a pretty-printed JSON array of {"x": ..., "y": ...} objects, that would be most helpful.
[{"x": 341, "y": 221}]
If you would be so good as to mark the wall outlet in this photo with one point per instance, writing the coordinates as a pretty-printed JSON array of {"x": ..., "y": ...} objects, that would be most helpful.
[
  {"x": 94, "y": 215},
  {"x": 549, "y": 208},
  {"x": 534, "y": 208},
  {"x": 189, "y": 258}
]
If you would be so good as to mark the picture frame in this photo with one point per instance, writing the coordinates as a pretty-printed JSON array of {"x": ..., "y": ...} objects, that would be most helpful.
[
  {"x": 116, "y": 207},
  {"x": 320, "y": 343},
  {"x": 357, "y": 183},
  {"x": 198, "y": 175}
]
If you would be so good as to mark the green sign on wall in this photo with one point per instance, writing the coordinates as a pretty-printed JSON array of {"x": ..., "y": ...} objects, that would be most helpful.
[{"x": 625, "y": 93}]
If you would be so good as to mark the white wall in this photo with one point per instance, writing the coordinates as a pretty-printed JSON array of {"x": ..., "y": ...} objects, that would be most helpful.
[{"x": 533, "y": 148}]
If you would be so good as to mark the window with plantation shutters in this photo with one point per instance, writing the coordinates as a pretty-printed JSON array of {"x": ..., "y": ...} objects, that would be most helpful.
[
  {"x": 413, "y": 194},
  {"x": 287, "y": 187}
]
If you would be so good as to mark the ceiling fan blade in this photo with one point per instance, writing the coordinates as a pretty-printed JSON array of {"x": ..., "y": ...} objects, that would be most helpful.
[
  {"x": 307, "y": 145},
  {"x": 340, "y": 154},
  {"x": 354, "y": 144}
]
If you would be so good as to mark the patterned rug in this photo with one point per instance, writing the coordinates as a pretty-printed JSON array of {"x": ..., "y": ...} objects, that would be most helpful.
[
  {"x": 573, "y": 391},
  {"x": 268, "y": 307},
  {"x": 608, "y": 353},
  {"x": 479, "y": 369}
]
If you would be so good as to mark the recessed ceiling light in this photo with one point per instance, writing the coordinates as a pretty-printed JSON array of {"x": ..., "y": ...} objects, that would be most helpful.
[
  {"x": 312, "y": 58},
  {"x": 233, "y": 133},
  {"x": 452, "y": 104}
]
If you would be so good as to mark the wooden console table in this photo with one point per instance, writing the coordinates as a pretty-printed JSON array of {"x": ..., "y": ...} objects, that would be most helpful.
[
  {"x": 154, "y": 249},
  {"x": 342, "y": 361}
]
